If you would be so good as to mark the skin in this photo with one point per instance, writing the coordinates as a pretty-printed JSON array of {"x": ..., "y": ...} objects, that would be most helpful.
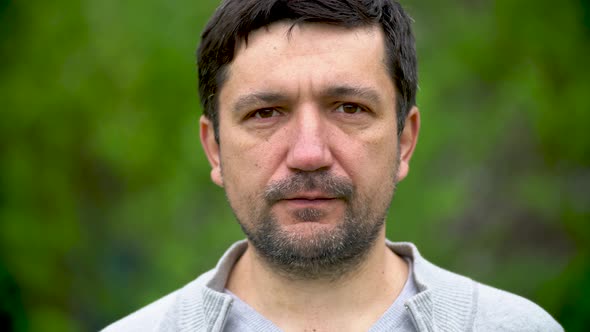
[{"x": 282, "y": 110}]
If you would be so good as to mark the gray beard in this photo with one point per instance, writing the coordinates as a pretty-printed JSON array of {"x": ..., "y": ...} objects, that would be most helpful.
[{"x": 326, "y": 254}]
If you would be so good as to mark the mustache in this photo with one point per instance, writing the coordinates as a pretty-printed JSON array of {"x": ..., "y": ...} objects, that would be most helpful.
[{"x": 322, "y": 181}]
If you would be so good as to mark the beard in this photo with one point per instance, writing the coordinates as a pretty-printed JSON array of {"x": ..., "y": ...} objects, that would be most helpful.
[{"x": 327, "y": 253}]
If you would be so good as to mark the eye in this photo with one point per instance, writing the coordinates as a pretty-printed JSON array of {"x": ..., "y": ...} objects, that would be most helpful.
[
  {"x": 265, "y": 113},
  {"x": 350, "y": 108}
]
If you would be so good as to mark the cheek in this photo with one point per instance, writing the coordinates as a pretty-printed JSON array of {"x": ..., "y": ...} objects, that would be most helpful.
[
  {"x": 375, "y": 145},
  {"x": 372, "y": 159},
  {"x": 245, "y": 169}
]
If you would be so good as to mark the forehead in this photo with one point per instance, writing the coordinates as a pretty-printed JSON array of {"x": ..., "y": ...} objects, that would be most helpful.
[
  {"x": 284, "y": 56},
  {"x": 295, "y": 35}
]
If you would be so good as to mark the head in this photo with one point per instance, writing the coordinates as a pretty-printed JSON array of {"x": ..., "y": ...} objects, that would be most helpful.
[
  {"x": 234, "y": 20},
  {"x": 309, "y": 124}
]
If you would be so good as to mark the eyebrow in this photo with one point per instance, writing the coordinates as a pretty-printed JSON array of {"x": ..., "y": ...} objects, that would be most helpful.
[
  {"x": 257, "y": 98},
  {"x": 332, "y": 92},
  {"x": 347, "y": 91}
]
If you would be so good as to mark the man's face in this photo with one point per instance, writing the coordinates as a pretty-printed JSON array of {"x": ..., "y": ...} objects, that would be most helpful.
[{"x": 308, "y": 154}]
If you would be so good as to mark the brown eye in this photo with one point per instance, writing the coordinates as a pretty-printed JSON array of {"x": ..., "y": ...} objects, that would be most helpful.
[
  {"x": 265, "y": 113},
  {"x": 349, "y": 108}
]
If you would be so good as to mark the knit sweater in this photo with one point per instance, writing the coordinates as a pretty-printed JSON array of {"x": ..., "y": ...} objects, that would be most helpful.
[{"x": 445, "y": 302}]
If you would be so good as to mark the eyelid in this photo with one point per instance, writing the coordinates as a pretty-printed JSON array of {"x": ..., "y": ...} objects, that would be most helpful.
[
  {"x": 252, "y": 114},
  {"x": 358, "y": 105}
]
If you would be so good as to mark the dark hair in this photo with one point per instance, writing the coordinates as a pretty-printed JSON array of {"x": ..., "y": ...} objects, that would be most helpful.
[{"x": 235, "y": 19}]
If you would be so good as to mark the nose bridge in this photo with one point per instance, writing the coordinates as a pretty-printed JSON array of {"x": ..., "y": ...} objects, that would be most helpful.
[
  {"x": 309, "y": 125},
  {"x": 309, "y": 148}
]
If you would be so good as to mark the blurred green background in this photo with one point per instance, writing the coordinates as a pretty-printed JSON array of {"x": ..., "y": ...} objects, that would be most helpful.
[{"x": 105, "y": 197}]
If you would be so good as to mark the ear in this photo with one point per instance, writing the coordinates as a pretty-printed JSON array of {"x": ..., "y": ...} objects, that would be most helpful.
[
  {"x": 211, "y": 149},
  {"x": 407, "y": 142}
]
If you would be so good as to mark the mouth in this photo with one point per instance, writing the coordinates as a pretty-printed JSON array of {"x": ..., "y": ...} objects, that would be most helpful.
[
  {"x": 311, "y": 206},
  {"x": 309, "y": 199},
  {"x": 309, "y": 187}
]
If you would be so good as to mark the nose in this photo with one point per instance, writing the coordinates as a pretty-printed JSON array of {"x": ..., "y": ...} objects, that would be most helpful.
[{"x": 309, "y": 149}]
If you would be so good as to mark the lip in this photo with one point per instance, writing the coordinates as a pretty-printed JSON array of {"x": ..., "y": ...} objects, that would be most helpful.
[
  {"x": 309, "y": 200},
  {"x": 311, "y": 196}
]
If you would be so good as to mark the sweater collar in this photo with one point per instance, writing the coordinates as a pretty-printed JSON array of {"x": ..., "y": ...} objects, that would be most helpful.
[{"x": 445, "y": 301}]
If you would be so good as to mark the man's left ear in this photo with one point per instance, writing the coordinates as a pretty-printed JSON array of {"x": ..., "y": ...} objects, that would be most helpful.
[{"x": 407, "y": 142}]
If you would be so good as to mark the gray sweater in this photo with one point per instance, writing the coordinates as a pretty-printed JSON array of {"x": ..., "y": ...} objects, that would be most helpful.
[{"x": 445, "y": 302}]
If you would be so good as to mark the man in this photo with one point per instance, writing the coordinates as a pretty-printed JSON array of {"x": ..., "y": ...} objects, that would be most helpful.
[{"x": 310, "y": 121}]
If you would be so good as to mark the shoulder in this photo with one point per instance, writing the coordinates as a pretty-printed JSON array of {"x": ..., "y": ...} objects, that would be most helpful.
[
  {"x": 155, "y": 315},
  {"x": 454, "y": 302},
  {"x": 199, "y": 304},
  {"x": 147, "y": 318},
  {"x": 498, "y": 310}
]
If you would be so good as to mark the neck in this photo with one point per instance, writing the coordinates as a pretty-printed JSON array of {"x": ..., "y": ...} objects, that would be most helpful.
[{"x": 364, "y": 293}]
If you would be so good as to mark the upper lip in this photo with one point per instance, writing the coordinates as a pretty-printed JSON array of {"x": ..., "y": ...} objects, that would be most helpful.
[{"x": 310, "y": 196}]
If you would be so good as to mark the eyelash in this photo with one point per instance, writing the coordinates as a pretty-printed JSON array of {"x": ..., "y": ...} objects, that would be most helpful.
[
  {"x": 256, "y": 113},
  {"x": 275, "y": 112},
  {"x": 357, "y": 108}
]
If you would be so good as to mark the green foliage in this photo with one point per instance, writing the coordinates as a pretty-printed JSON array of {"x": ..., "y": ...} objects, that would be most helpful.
[{"x": 105, "y": 197}]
